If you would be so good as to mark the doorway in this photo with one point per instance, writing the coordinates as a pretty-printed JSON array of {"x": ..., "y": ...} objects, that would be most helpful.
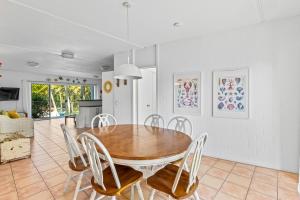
[
  {"x": 58, "y": 100},
  {"x": 146, "y": 94}
]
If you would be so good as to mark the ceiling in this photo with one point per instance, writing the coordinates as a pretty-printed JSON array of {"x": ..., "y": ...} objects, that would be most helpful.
[{"x": 94, "y": 30}]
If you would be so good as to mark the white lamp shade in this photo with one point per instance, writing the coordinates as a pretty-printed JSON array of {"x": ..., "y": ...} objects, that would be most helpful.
[{"x": 127, "y": 71}]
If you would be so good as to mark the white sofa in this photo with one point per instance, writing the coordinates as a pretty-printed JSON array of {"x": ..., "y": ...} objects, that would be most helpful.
[{"x": 23, "y": 126}]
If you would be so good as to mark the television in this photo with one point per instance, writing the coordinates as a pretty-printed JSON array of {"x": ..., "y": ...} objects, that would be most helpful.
[{"x": 9, "y": 94}]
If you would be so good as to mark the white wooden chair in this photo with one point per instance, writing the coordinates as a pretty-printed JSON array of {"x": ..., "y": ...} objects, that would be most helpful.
[
  {"x": 112, "y": 180},
  {"x": 78, "y": 162},
  {"x": 181, "y": 124},
  {"x": 174, "y": 180},
  {"x": 155, "y": 120},
  {"x": 104, "y": 119}
]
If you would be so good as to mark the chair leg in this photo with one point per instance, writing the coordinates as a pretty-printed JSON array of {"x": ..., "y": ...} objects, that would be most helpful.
[
  {"x": 93, "y": 195},
  {"x": 139, "y": 190},
  {"x": 196, "y": 196},
  {"x": 69, "y": 178},
  {"x": 132, "y": 193},
  {"x": 186, "y": 167},
  {"x": 78, "y": 185},
  {"x": 113, "y": 198},
  {"x": 151, "y": 197}
]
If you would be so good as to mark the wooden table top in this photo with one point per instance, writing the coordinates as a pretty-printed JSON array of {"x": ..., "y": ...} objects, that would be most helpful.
[{"x": 139, "y": 142}]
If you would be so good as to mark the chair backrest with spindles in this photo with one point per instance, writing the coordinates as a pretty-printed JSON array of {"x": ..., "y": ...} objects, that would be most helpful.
[
  {"x": 195, "y": 150},
  {"x": 90, "y": 144},
  {"x": 72, "y": 146},
  {"x": 155, "y": 120},
  {"x": 104, "y": 119},
  {"x": 181, "y": 124}
]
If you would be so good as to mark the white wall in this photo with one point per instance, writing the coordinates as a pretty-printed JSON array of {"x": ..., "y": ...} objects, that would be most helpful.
[
  {"x": 108, "y": 98},
  {"x": 272, "y": 52}
]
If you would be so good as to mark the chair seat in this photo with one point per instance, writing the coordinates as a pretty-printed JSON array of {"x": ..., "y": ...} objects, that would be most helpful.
[
  {"x": 177, "y": 162},
  {"x": 127, "y": 177},
  {"x": 79, "y": 164},
  {"x": 163, "y": 181}
]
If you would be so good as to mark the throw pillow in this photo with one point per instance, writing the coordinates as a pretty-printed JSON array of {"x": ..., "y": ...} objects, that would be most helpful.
[{"x": 13, "y": 114}]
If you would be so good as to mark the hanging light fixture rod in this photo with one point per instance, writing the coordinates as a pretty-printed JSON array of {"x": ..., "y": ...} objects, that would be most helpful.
[{"x": 127, "y": 71}]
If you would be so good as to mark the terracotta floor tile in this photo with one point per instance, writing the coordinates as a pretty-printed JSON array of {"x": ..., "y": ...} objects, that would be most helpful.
[
  {"x": 25, "y": 173},
  {"x": 208, "y": 161},
  {"x": 288, "y": 186},
  {"x": 287, "y": 195},
  {"x": 31, "y": 190},
  {"x": 211, "y": 181},
  {"x": 267, "y": 171},
  {"x": 242, "y": 171},
  {"x": 250, "y": 167},
  {"x": 7, "y": 188},
  {"x": 206, "y": 193},
  {"x": 271, "y": 180},
  {"x": 23, "y": 182},
  {"x": 6, "y": 179},
  {"x": 43, "y": 168},
  {"x": 5, "y": 171},
  {"x": 234, "y": 190},
  {"x": 204, "y": 168},
  {"x": 44, "y": 195},
  {"x": 264, "y": 188},
  {"x": 239, "y": 180},
  {"x": 56, "y": 180},
  {"x": 223, "y": 196},
  {"x": 52, "y": 172},
  {"x": 58, "y": 190},
  {"x": 287, "y": 177},
  {"x": 4, "y": 166},
  {"x": 9, "y": 196},
  {"x": 224, "y": 165},
  {"x": 252, "y": 195},
  {"x": 219, "y": 173}
]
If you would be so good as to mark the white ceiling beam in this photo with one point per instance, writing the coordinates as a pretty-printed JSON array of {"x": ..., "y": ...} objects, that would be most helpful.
[{"x": 44, "y": 12}]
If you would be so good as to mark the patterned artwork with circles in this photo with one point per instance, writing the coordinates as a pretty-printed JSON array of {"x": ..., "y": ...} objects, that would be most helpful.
[{"x": 230, "y": 94}]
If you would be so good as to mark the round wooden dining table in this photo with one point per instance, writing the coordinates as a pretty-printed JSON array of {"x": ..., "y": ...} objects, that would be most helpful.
[{"x": 142, "y": 146}]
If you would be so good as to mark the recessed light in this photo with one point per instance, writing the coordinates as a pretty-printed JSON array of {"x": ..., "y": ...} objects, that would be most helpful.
[
  {"x": 178, "y": 24},
  {"x": 67, "y": 54},
  {"x": 96, "y": 76},
  {"x": 33, "y": 64}
]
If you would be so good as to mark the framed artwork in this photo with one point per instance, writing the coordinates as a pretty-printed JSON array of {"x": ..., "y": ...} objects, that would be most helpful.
[
  {"x": 231, "y": 93},
  {"x": 187, "y": 93}
]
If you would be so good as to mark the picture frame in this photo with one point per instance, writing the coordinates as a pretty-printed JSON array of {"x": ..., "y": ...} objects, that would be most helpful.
[
  {"x": 187, "y": 98},
  {"x": 231, "y": 93}
]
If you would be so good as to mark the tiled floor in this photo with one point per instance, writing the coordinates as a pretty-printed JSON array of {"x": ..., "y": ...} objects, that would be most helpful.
[{"x": 43, "y": 176}]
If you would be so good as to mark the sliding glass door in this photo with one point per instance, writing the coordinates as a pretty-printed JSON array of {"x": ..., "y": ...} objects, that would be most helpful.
[
  {"x": 57, "y": 100},
  {"x": 40, "y": 105}
]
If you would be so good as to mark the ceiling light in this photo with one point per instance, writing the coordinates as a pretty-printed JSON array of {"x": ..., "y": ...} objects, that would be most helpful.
[
  {"x": 67, "y": 54},
  {"x": 177, "y": 24},
  {"x": 105, "y": 67},
  {"x": 33, "y": 64},
  {"x": 127, "y": 71}
]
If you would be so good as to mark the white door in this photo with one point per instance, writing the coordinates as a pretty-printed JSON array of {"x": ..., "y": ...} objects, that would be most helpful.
[{"x": 146, "y": 94}]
